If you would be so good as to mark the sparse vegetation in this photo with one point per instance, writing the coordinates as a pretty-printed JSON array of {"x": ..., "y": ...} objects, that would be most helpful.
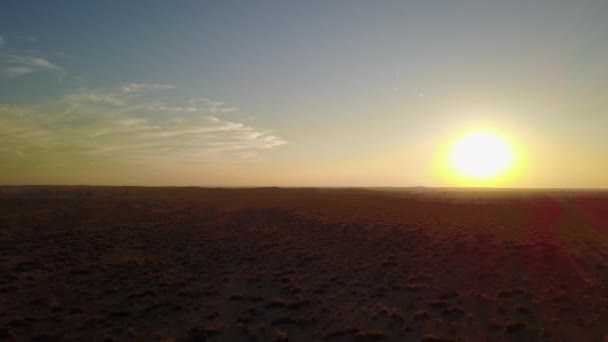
[
  {"x": 370, "y": 335},
  {"x": 280, "y": 336},
  {"x": 516, "y": 326},
  {"x": 420, "y": 315},
  {"x": 507, "y": 293},
  {"x": 258, "y": 274}
]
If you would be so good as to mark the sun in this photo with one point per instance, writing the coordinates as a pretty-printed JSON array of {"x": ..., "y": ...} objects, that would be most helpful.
[{"x": 482, "y": 156}]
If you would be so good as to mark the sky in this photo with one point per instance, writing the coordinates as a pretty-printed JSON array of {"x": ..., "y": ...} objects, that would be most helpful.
[{"x": 310, "y": 93}]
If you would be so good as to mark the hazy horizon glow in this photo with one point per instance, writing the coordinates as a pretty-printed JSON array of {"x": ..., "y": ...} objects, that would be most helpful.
[{"x": 341, "y": 93}]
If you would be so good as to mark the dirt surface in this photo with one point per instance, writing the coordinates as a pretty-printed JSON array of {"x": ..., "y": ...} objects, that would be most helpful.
[{"x": 127, "y": 263}]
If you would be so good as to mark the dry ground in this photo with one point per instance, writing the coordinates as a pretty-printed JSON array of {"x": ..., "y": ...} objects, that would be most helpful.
[{"x": 94, "y": 263}]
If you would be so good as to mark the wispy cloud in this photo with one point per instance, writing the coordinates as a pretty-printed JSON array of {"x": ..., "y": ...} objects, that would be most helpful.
[
  {"x": 21, "y": 65},
  {"x": 18, "y": 71},
  {"x": 118, "y": 97},
  {"x": 122, "y": 125},
  {"x": 131, "y": 88}
]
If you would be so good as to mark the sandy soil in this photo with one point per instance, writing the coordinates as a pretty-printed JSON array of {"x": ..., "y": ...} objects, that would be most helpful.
[{"x": 93, "y": 263}]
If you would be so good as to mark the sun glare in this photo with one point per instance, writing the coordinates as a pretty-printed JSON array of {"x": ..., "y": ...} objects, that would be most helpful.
[{"x": 481, "y": 156}]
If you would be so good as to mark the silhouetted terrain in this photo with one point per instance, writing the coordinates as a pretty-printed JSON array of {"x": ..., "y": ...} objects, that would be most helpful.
[{"x": 127, "y": 263}]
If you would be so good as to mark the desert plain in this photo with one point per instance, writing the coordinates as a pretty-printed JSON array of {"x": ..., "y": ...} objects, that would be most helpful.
[{"x": 302, "y": 264}]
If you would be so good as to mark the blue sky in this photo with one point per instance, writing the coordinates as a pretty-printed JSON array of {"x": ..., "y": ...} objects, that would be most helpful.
[{"x": 306, "y": 93}]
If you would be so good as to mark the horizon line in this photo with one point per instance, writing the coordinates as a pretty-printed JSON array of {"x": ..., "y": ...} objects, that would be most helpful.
[{"x": 307, "y": 187}]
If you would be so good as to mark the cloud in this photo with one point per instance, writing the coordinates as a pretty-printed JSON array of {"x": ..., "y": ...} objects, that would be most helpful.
[
  {"x": 120, "y": 96},
  {"x": 2, "y": 41},
  {"x": 131, "y": 88},
  {"x": 18, "y": 71},
  {"x": 119, "y": 125},
  {"x": 21, "y": 65},
  {"x": 34, "y": 62}
]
